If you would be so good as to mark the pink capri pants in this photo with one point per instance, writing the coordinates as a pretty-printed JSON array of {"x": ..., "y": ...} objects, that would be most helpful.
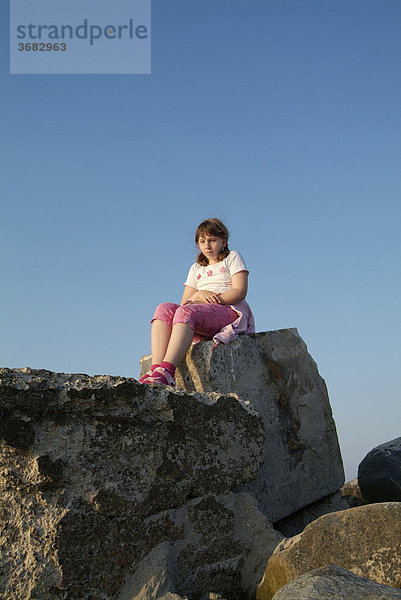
[{"x": 204, "y": 319}]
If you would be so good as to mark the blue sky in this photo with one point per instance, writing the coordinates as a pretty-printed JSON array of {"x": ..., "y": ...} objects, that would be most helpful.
[{"x": 281, "y": 117}]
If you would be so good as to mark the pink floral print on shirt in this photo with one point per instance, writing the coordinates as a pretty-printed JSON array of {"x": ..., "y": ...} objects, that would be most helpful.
[
  {"x": 209, "y": 273},
  {"x": 223, "y": 269},
  {"x": 198, "y": 276}
]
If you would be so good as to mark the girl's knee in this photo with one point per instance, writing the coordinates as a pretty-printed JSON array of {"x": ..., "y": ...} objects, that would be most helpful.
[
  {"x": 167, "y": 306},
  {"x": 183, "y": 314},
  {"x": 165, "y": 312}
]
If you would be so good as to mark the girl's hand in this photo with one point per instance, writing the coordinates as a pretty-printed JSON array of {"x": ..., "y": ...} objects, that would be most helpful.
[
  {"x": 203, "y": 296},
  {"x": 190, "y": 301}
]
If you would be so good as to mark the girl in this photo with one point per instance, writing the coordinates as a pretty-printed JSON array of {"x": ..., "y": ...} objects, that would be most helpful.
[{"x": 213, "y": 304}]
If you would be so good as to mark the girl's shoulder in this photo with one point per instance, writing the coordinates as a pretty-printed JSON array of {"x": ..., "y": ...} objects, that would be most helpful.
[
  {"x": 196, "y": 266},
  {"x": 233, "y": 256},
  {"x": 235, "y": 262}
]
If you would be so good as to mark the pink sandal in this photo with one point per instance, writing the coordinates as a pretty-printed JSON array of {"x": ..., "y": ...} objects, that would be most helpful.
[
  {"x": 161, "y": 376},
  {"x": 145, "y": 377}
]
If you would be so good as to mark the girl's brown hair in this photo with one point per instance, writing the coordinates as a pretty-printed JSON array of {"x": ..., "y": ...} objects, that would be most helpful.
[{"x": 216, "y": 228}]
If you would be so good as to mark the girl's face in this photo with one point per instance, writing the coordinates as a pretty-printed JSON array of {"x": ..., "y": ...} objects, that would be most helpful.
[{"x": 211, "y": 246}]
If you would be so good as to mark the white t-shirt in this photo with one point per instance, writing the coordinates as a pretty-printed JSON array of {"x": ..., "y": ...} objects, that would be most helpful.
[{"x": 216, "y": 278}]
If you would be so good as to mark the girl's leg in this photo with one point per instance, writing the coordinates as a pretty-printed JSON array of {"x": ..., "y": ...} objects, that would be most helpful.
[
  {"x": 180, "y": 341},
  {"x": 162, "y": 323},
  {"x": 160, "y": 337},
  {"x": 206, "y": 319},
  {"x": 178, "y": 344}
]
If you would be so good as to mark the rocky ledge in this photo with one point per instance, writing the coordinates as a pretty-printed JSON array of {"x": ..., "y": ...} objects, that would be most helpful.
[{"x": 103, "y": 478}]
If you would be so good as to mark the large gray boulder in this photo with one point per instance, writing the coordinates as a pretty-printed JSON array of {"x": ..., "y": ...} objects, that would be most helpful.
[
  {"x": 100, "y": 475},
  {"x": 364, "y": 540},
  {"x": 275, "y": 373},
  {"x": 335, "y": 583},
  {"x": 379, "y": 474},
  {"x": 225, "y": 548}
]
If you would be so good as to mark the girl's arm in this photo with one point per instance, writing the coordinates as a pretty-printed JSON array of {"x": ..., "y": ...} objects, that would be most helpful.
[
  {"x": 200, "y": 297},
  {"x": 236, "y": 294},
  {"x": 188, "y": 292},
  {"x": 239, "y": 290}
]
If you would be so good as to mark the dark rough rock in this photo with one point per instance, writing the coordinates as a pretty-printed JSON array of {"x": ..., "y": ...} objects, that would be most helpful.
[
  {"x": 352, "y": 493},
  {"x": 98, "y": 474},
  {"x": 335, "y": 583},
  {"x": 364, "y": 540},
  {"x": 297, "y": 522},
  {"x": 349, "y": 496},
  {"x": 379, "y": 474},
  {"x": 275, "y": 373},
  {"x": 16, "y": 432}
]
